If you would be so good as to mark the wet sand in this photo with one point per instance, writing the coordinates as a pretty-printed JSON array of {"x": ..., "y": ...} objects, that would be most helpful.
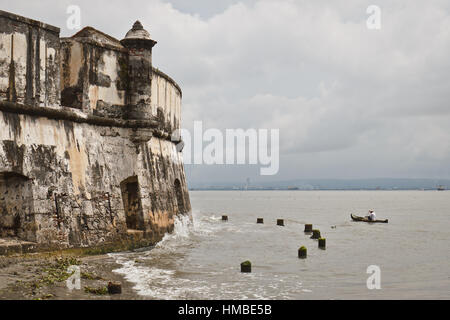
[{"x": 43, "y": 277}]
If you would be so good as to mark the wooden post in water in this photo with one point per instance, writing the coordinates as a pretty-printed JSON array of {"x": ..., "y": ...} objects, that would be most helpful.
[
  {"x": 260, "y": 220},
  {"x": 308, "y": 228},
  {"x": 224, "y": 218},
  {"x": 322, "y": 243},
  {"x": 246, "y": 267},
  {"x": 316, "y": 234},
  {"x": 114, "y": 288},
  {"x": 302, "y": 252},
  {"x": 280, "y": 222}
]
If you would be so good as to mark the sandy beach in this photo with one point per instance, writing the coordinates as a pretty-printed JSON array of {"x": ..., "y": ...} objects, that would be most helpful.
[{"x": 43, "y": 276}]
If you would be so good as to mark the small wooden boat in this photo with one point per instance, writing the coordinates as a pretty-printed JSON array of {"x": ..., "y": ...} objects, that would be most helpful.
[{"x": 365, "y": 219}]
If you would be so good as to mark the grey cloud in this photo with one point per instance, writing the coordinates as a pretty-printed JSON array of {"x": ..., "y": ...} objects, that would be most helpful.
[{"x": 349, "y": 102}]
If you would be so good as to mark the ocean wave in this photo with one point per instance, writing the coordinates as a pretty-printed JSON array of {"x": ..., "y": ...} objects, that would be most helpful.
[
  {"x": 159, "y": 283},
  {"x": 170, "y": 269}
]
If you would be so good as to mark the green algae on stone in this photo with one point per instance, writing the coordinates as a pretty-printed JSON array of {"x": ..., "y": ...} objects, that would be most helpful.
[
  {"x": 302, "y": 252},
  {"x": 246, "y": 267},
  {"x": 322, "y": 243},
  {"x": 97, "y": 291},
  {"x": 316, "y": 234}
]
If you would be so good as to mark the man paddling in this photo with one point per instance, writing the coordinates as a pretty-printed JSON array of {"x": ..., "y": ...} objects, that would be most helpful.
[{"x": 372, "y": 216}]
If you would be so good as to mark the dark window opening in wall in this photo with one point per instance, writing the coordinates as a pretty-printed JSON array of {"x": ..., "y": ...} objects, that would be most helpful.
[
  {"x": 180, "y": 198},
  {"x": 16, "y": 200},
  {"x": 132, "y": 204}
]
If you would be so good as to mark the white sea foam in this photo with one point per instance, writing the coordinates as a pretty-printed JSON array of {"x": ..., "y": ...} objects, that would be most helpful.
[
  {"x": 158, "y": 283},
  {"x": 161, "y": 272},
  {"x": 183, "y": 228}
]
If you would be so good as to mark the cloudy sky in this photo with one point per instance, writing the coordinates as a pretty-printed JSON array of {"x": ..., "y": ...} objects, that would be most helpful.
[{"x": 349, "y": 102}]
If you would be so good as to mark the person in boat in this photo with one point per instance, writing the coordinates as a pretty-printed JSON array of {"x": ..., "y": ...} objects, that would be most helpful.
[{"x": 372, "y": 216}]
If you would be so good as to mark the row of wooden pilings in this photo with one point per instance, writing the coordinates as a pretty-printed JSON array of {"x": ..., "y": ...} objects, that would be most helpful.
[{"x": 246, "y": 266}]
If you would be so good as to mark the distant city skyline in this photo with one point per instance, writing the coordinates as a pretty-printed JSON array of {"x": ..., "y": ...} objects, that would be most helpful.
[{"x": 330, "y": 184}]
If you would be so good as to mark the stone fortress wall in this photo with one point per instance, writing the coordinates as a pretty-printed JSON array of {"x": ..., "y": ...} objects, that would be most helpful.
[{"x": 86, "y": 150}]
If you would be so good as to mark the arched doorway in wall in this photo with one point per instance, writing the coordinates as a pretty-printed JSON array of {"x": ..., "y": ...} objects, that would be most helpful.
[
  {"x": 180, "y": 198},
  {"x": 132, "y": 203},
  {"x": 16, "y": 207}
]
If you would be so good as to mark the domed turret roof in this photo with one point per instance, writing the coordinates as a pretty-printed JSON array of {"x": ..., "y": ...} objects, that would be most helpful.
[{"x": 138, "y": 32}]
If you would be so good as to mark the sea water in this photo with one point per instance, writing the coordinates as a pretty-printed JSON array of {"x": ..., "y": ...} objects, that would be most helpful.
[{"x": 201, "y": 259}]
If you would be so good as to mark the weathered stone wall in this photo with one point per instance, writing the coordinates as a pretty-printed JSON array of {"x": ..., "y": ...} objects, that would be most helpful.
[
  {"x": 74, "y": 173},
  {"x": 29, "y": 61},
  {"x": 16, "y": 206},
  {"x": 86, "y": 155},
  {"x": 94, "y": 74},
  {"x": 101, "y": 77},
  {"x": 166, "y": 101}
]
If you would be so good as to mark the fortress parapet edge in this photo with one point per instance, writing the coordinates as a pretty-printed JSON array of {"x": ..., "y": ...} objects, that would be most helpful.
[{"x": 86, "y": 156}]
